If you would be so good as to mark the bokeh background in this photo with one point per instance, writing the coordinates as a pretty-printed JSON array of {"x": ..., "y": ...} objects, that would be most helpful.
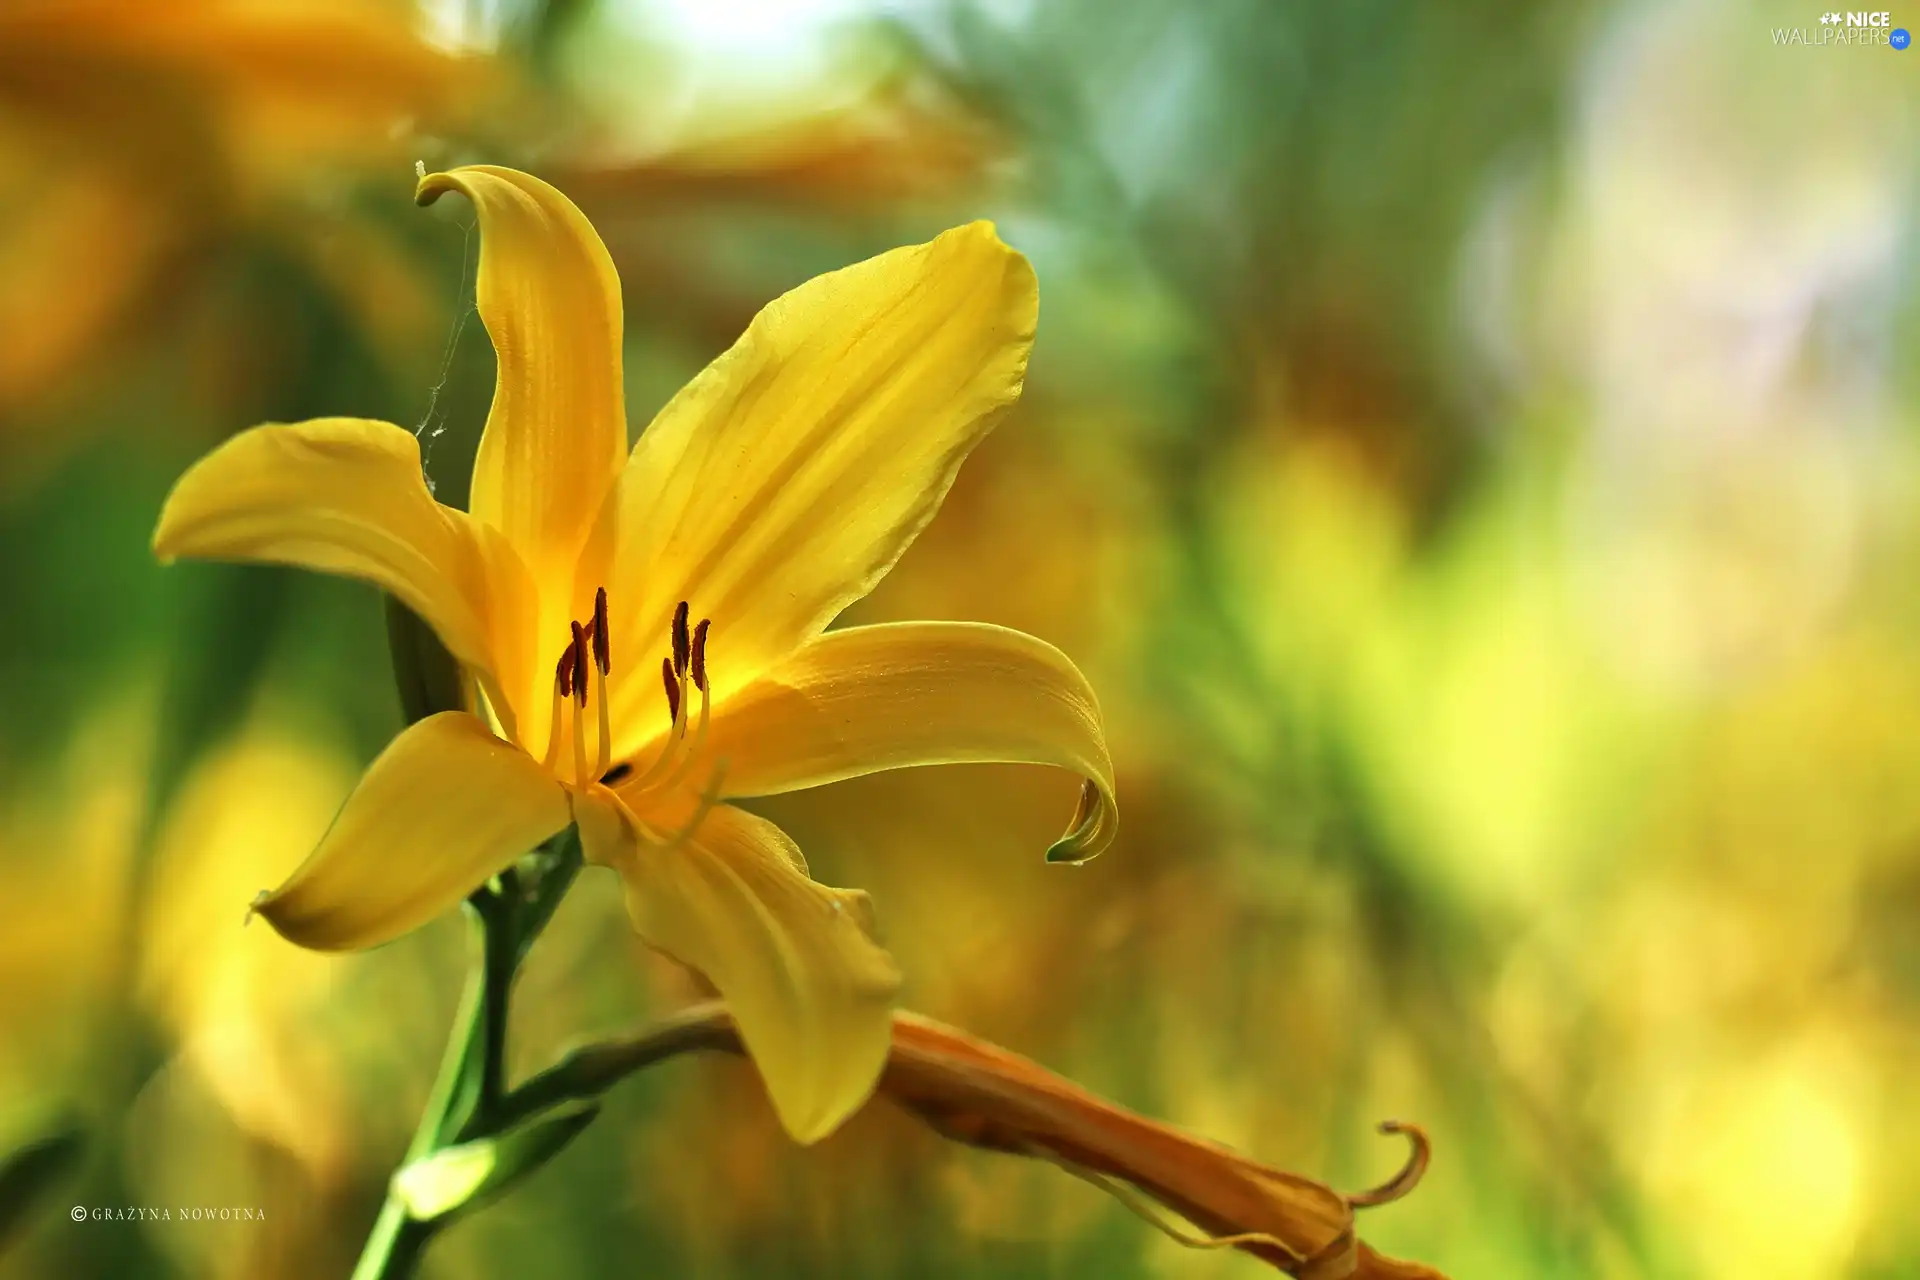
[{"x": 1471, "y": 447}]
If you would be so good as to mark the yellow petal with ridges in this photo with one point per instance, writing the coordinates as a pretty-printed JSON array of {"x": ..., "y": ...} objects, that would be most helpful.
[
  {"x": 556, "y": 435},
  {"x": 810, "y": 990},
  {"x": 346, "y": 496},
  {"x": 782, "y": 483},
  {"x": 864, "y": 699},
  {"x": 445, "y": 807}
]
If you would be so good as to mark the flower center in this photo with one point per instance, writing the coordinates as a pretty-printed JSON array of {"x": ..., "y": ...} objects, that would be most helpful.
[{"x": 683, "y": 673}]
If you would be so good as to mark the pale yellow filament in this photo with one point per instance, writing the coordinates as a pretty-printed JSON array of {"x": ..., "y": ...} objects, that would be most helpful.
[
  {"x": 692, "y": 753},
  {"x": 580, "y": 778},
  {"x": 604, "y": 757},
  {"x": 560, "y": 701},
  {"x": 681, "y": 708}
]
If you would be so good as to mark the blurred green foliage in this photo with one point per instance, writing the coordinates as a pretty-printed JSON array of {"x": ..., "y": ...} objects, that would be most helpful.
[{"x": 1468, "y": 447}]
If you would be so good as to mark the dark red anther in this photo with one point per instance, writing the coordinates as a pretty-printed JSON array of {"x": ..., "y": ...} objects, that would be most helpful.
[
  {"x": 681, "y": 643},
  {"x": 602, "y": 646},
  {"x": 579, "y": 664},
  {"x": 672, "y": 683},
  {"x": 563, "y": 673},
  {"x": 700, "y": 654}
]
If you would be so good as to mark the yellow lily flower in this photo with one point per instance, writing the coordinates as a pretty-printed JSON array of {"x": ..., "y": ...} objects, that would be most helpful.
[{"x": 775, "y": 489}]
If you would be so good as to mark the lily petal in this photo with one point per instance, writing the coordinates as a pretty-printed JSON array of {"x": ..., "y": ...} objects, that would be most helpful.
[
  {"x": 863, "y": 699},
  {"x": 446, "y": 806},
  {"x": 346, "y": 496},
  {"x": 810, "y": 989},
  {"x": 557, "y": 432},
  {"x": 782, "y": 483}
]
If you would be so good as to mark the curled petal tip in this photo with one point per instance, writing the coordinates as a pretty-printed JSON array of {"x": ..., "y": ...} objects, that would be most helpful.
[
  {"x": 430, "y": 186},
  {"x": 1410, "y": 1173},
  {"x": 1068, "y": 852},
  {"x": 1080, "y": 846},
  {"x": 1092, "y": 829}
]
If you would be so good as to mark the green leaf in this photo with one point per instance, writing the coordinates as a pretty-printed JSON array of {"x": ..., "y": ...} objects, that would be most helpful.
[
  {"x": 426, "y": 674},
  {"x": 463, "y": 1177},
  {"x": 28, "y": 1172},
  {"x": 231, "y": 616}
]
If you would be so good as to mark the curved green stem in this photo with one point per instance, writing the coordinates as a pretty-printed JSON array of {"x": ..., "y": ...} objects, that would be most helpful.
[
  {"x": 394, "y": 1246},
  {"x": 588, "y": 1072},
  {"x": 504, "y": 918}
]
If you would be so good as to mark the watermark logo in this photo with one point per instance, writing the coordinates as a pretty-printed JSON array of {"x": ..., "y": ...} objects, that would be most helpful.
[
  {"x": 166, "y": 1213},
  {"x": 1837, "y": 30}
]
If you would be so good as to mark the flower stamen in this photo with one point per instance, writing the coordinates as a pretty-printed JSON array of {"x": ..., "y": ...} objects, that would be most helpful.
[
  {"x": 580, "y": 703},
  {"x": 675, "y": 752},
  {"x": 671, "y": 843},
  {"x": 562, "y": 694},
  {"x": 698, "y": 670},
  {"x": 700, "y": 656},
  {"x": 665, "y": 759},
  {"x": 603, "y": 659},
  {"x": 602, "y": 642},
  {"x": 681, "y": 643},
  {"x": 671, "y": 684},
  {"x": 579, "y": 663},
  {"x": 632, "y": 818},
  {"x": 709, "y": 797}
]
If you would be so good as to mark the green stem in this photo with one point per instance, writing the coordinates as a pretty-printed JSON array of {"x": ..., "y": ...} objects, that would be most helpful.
[
  {"x": 588, "y": 1072},
  {"x": 499, "y": 961},
  {"x": 394, "y": 1246},
  {"x": 467, "y": 1100}
]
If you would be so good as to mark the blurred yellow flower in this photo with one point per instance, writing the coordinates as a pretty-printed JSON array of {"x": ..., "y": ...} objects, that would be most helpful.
[
  {"x": 58, "y": 951},
  {"x": 228, "y": 995},
  {"x": 132, "y": 134},
  {"x": 776, "y": 488}
]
